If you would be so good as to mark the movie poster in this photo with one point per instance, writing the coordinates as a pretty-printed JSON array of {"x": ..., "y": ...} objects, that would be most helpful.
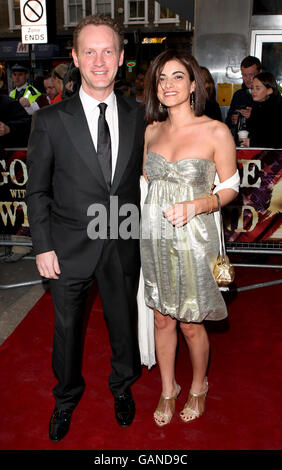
[
  {"x": 13, "y": 179},
  {"x": 256, "y": 214}
]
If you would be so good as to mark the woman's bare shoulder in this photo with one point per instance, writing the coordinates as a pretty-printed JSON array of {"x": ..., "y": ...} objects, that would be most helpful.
[
  {"x": 219, "y": 128},
  {"x": 217, "y": 131}
]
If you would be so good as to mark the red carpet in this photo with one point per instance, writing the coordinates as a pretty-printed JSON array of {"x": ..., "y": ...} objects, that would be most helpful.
[{"x": 243, "y": 404}]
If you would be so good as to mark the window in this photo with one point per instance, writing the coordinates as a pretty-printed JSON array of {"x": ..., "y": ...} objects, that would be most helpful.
[
  {"x": 74, "y": 11},
  {"x": 267, "y": 46},
  {"x": 135, "y": 11},
  {"x": 267, "y": 7},
  {"x": 103, "y": 7},
  {"x": 14, "y": 14},
  {"x": 164, "y": 15}
]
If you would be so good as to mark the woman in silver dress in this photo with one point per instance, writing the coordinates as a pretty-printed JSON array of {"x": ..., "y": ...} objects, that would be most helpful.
[{"x": 184, "y": 150}]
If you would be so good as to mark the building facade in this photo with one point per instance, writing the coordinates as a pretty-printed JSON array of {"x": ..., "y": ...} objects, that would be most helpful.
[{"x": 148, "y": 26}]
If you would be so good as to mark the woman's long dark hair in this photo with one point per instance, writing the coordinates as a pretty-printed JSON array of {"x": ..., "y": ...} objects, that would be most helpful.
[{"x": 152, "y": 104}]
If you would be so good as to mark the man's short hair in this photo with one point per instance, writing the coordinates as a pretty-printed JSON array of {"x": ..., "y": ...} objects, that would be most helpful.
[
  {"x": 249, "y": 61},
  {"x": 98, "y": 20}
]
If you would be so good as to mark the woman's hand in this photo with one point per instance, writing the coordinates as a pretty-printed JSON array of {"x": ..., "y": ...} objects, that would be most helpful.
[{"x": 180, "y": 213}]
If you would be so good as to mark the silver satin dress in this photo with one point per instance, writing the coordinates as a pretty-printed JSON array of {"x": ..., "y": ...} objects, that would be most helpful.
[{"x": 178, "y": 262}]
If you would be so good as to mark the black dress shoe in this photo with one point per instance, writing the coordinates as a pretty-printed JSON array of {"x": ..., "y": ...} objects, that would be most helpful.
[
  {"x": 124, "y": 408},
  {"x": 59, "y": 424}
]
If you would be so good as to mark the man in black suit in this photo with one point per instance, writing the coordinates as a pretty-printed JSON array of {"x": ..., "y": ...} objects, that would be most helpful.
[{"x": 70, "y": 176}]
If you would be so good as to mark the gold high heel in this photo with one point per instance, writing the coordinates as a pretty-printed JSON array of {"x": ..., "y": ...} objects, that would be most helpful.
[
  {"x": 166, "y": 408},
  {"x": 195, "y": 405}
]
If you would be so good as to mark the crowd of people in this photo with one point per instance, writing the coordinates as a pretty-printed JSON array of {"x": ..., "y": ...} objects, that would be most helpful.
[
  {"x": 63, "y": 81},
  {"x": 256, "y": 112},
  {"x": 94, "y": 144},
  {"x": 256, "y": 107}
]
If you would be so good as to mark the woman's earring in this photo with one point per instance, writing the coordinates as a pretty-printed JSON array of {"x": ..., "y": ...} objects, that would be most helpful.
[
  {"x": 192, "y": 101},
  {"x": 161, "y": 108}
]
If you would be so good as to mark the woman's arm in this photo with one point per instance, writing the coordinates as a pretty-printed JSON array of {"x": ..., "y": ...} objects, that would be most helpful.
[{"x": 225, "y": 161}]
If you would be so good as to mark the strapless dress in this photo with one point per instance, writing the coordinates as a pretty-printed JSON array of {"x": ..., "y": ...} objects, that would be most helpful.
[{"x": 178, "y": 262}]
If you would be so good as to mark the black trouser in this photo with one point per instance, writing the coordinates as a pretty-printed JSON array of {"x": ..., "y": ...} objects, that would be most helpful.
[{"x": 118, "y": 294}]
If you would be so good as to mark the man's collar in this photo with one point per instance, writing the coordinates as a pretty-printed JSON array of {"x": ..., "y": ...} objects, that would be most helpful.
[
  {"x": 21, "y": 87},
  {"x": 91, "y": 103}
]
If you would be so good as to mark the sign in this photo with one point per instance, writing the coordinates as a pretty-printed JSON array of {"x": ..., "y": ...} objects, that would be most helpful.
[
  {"x": 153, "y": 40},
  {"x": 131, "y": 64},
  {"x": 256, "y": 214},
  {"x": 14, "y": 50},
  {"x": 13, "y": 208},
  {"x": 33, "y": 21}
]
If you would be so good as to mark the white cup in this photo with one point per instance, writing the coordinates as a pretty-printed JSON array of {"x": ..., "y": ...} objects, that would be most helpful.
[{"x": 242, "y": 135}]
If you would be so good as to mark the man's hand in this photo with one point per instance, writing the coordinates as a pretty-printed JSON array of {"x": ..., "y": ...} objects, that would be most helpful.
[
  {"x": 246, "y": 112},
  {"x": 48, "y": 265},
  {"x": 4, "y": 129},
  {"x": 24, "y": 102}
]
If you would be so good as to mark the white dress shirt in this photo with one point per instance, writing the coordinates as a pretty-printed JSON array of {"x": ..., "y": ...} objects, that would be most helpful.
[{"x": 92, "y": 112}]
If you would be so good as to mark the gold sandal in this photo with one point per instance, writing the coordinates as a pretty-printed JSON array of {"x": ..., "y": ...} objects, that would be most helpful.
[
  {"x": 195, "y": 405},
  {"x": 166, "y": 408}
]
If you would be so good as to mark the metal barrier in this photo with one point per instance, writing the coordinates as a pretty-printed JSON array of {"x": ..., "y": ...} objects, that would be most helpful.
[
  {"x": 250, "y": 248},
  {"x": 5, "y": 242},
  {"x": 259, "y": 248},
  {"x": 251, "y": 162}
]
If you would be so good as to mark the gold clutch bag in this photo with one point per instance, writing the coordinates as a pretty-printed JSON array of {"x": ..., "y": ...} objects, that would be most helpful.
[{"x": 223, "y": 271}]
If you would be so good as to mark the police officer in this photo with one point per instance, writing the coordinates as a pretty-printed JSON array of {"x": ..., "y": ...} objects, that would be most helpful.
[{"x": 25, "y": 93}]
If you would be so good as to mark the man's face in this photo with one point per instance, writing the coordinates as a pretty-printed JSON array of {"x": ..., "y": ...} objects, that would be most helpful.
[
  {"x": 49, "y": 88},
  {"x": 139, "y": 82},
  {"x": 98, "y": 58},
  {"x": 248, "y": 74},
  {"x": 19, "y": 78}
]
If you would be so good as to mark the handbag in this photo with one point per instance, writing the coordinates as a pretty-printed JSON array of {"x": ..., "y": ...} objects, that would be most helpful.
[{"x": 223, "y": 271}]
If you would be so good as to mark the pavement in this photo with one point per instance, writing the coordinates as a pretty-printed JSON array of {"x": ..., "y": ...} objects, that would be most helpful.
[{"x": 18, "y": 294}]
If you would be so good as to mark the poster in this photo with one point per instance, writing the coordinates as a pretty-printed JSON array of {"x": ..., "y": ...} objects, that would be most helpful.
[
  {"x": 13, "y": 179},
  {"x": 255, "y": 215}
]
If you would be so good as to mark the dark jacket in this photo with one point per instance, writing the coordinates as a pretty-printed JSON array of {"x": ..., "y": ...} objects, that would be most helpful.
[
  {"x": 241, "y": 99},
  {"x": 65, "y": 179},
  {"x": 14, "y": 116},
  {"x": 264, "y": 124}
]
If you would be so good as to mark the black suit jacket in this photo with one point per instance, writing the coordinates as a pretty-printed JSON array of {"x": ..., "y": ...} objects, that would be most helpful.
[
  {"x": 65, "y": 178},
  {"x": 241, "y": 99}
]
